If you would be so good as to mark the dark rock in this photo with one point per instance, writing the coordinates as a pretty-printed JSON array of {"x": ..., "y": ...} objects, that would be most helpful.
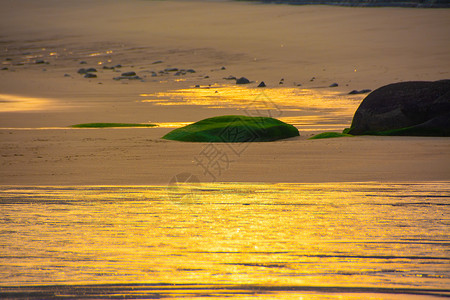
[
  {"x": 334, "y": 85},
  {"x": 90, "y": 75},
  {"x": 4, "y": 69},
  {"x": 157, "y": 62},
  {"x": 190, "y": 71},
  {"x": 89, "y": 70},
  {"x": 230, "y": 78},
  {"x": 128, "y": 77},
  {"x": 39, "y": 61},
  {"x": 418, "y": 108},
  {"x": 356, "y": 92},
  {"x": 242, "y": 80},
  {"x": 197, "y": 85},
  {"x": 8, "y": 59},
  {"x": 223, "y": 68},
  {"x": 82, "y": 71},
  {"x": 117, "y": 66},
  {"x": 262, "y": 84},
  {"x": 131, "y": 73},
  {"x": 83, "y": 62},
  {"x": 206, "y": 76},
  {"x": 312, "y": 79},
  {"x": 108, "y": 68},
  {"x": 66, "y": 75},
  {"x": 171, "y": 69}
]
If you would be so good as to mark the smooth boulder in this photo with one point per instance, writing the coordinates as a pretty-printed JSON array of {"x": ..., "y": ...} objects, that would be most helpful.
[
  {"x": 234, "y": 129},
  {"x": 414, "y": 108}
]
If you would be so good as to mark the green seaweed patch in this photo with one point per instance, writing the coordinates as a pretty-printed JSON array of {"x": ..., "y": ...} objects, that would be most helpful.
[
  {"x": 234, "y": 129},
  {"x": 110, "y": 125},
  {"x": 411, "y": 131},
  {"x": 327, "y": 135},
  {"x": 346, "y": 130}
]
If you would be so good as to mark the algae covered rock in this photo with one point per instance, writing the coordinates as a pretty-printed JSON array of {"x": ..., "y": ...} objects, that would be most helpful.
[
  {"x": 234, "y": 129},
  {"x": 415, "y": 108},
  {"x": 328, "y": 135}
]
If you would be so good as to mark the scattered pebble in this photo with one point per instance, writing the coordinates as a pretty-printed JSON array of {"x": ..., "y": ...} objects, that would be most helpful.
[
  {"x": 82, "y": 71},
  {"x": 90, "y": 75},
  {"x": 230, "y": 78},
  {"x": 131, "y": 73},
  {"x": 334, "y": 85},
  {"x": 223, "y": 68},
  {"x": 39, "y": 61},
  {"x": 118, "y": 66},
  {"x": 128, "y": 77},
  {"x": 312, "y": 79},
  {"x": 206, "y": 76},
  {"x": 91, "y": 70},
  {"x": 5, "y": 69},
  {"x": 66, "y": 75},
  {"x": 197, "y": 85},
  {"x": 108, "y": 68},
  {"x": 83, "y": 62},
  {"x": 242, "y": 80},
  {"x": 8, "y": 59},
  {"x": 171, "y": 69},
  {"x": 157, "y": 62},
  {"x": 355, "y": 92},
  {"x": 190, "y": 71},
  {"x": 262, "y": 84}
]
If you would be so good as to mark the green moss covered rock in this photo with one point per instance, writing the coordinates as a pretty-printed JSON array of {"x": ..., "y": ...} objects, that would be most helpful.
[
  {"x": 234, "y": 129},
  {"x": 327, "y": 135}
]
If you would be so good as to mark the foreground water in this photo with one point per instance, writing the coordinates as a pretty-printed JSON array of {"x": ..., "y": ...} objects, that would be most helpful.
[{"x": 217, "y": 239}]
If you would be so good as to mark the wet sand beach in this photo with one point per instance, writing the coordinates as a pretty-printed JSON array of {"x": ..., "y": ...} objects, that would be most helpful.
[{"x": 297, "y": 46}]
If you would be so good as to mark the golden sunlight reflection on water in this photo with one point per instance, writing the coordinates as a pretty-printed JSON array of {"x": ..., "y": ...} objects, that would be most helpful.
[
  {"x": 345, "y": 235},
  {"x": 14, "y": 103},
  {"x": 312, "y": 109}
]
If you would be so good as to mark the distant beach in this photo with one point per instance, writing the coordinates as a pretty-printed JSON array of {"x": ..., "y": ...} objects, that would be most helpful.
[{"x": 366, "y": 3}]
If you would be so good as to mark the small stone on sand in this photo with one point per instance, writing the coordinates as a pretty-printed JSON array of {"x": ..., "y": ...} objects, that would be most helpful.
[
  {"x": 131, "y": 73},
  {"x": 242, "y": 80}
]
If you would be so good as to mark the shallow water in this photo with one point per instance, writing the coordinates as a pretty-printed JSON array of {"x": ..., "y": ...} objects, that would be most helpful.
[{"x": 234, "y": 239}]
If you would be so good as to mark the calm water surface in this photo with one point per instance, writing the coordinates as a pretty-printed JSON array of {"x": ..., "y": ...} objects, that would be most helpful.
[{"x": 226, "y": 239}]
